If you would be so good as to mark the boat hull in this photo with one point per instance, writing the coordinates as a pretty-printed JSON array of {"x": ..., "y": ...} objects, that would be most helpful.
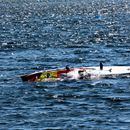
[{"x": 77, "y": 73}]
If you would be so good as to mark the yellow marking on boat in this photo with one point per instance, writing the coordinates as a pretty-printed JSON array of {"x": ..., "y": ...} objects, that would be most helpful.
[{"x": 47, "y": 75}]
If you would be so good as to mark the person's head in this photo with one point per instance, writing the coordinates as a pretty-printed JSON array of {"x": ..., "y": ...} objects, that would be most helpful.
[{"x": 67, "y": 67}]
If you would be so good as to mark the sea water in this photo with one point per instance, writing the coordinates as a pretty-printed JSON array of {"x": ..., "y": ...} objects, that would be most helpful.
[{"x": 37, "y": 35}]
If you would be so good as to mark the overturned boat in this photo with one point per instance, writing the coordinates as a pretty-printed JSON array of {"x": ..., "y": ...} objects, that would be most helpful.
[{"x": 68, "y": 73}]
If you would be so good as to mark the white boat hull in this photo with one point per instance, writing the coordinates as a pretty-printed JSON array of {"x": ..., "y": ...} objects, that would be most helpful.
[{"x": 92, "y": 72}]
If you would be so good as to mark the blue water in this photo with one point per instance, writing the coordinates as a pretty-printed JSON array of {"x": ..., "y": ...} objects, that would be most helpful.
[{"x": 37, "y": 35}]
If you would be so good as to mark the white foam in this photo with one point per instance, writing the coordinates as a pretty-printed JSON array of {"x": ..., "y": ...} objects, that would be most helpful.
[{"x": 73, "y": 74}]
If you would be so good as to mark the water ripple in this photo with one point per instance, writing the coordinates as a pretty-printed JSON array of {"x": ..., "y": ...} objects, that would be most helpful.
[{"x": 37, "y": 35}]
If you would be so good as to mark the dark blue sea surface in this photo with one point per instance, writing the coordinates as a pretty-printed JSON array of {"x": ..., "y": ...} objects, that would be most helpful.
[{"x": 37, "y": 35}]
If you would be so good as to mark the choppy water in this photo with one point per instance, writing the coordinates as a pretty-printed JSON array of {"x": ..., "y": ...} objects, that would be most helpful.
[{"x": 36, "y": 35}]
